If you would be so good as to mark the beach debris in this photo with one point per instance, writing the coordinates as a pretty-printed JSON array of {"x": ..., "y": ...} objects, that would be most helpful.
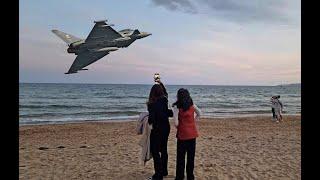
[
  {"x": 43, "y": 148},
  {"x": 60, "y": 147},
  {"x": 83, "y": 146},
  {"x": 208, "y": 165}
]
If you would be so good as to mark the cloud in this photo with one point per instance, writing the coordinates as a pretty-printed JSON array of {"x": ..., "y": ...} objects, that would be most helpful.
[
  {"x": 235, "y": 10},
  {"x": 182, "y": 5}
]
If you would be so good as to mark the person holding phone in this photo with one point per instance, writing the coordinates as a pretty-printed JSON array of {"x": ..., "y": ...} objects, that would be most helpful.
[
  {"x": 158, "y": 81},
  {"x": 159, "y": 119}
]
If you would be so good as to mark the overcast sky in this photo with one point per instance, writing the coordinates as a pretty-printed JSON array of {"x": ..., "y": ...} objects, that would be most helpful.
[{"x": 221, "y": 42}]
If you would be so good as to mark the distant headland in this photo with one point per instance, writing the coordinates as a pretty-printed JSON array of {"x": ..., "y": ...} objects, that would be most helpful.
[{"x": 293, "y": 84}]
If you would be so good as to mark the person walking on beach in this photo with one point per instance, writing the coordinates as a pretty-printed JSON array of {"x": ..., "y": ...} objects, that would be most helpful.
[
  {"x": 272, "y": 100},
  {"x": 278, "y": 107},
  {"x": 159, "y": 119},
  {"x": 185, "y": 121}
]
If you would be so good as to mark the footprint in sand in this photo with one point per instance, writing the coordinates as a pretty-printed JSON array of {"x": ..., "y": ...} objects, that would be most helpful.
[
  {"x": 43, "y": 148},
  {"x": 253, "y": 174}
]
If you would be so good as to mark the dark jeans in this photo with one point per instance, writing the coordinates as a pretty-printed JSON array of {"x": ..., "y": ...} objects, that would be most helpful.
[
  {"x": 185, "y": 147},
  {"x": 158, "y": 144},
  {"x": 273, "y": 113}
]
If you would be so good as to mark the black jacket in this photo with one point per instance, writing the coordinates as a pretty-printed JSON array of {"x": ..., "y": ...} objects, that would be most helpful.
[
  {"x": 164, "y": 89},
  {"x": 159, "y": 115}
]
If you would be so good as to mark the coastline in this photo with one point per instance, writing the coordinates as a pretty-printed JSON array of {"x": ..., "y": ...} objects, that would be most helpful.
[
  {"x": 135, "y": 118},
  {"x": 247, "y": 147}
]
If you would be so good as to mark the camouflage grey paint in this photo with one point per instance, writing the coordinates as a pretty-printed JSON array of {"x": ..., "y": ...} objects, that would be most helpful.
[{"x": 101, "y": 41}]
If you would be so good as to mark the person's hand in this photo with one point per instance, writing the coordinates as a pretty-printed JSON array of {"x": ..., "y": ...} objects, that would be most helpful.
[
  {"x": 156, "y": 77},
  {"x": 157, "y": 80}
]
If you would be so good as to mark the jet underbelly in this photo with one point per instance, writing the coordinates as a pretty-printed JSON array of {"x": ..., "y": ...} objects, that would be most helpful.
[
  {"x": 118, "y": 44},
  {"x": 127, "y": 43}
]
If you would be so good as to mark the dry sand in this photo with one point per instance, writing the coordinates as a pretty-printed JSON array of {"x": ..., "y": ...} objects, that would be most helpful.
[{"x": 234, "y": 148}]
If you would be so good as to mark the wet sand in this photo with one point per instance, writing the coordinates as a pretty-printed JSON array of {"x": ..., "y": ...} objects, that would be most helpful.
[{"x": 233, "y": 148}]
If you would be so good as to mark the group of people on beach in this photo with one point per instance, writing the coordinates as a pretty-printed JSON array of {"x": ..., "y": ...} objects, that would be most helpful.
[{"x": 185, "y": 113}]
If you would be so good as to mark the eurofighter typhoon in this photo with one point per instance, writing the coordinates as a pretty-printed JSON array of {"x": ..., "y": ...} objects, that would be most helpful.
[{"x": 101, "y": 41}]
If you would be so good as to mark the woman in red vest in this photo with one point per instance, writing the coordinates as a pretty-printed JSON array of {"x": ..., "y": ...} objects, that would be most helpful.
[{"x": 184, "y": 112}]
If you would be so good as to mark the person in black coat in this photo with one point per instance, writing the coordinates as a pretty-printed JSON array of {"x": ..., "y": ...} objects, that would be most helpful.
[{"x": 159, "y": 119}]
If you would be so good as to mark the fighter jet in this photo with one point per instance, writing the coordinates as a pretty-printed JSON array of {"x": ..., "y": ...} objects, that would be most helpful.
[{"x": 102, "y": 40}]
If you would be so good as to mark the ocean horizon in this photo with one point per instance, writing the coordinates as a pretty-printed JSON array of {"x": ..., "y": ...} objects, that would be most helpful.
[
  {"x": 47, "y": 103},
  {"x": 290, "y": 84}
]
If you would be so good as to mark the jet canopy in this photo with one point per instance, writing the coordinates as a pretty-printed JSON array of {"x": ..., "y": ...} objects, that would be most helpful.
[{"x": 126, "y": 32}]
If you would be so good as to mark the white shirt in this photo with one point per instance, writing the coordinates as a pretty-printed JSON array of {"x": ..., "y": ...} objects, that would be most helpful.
[{"x": 276, "y": 104}]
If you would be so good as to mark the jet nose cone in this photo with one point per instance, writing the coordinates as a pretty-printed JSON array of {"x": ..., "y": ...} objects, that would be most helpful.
[{"x": 145, "y": 34}]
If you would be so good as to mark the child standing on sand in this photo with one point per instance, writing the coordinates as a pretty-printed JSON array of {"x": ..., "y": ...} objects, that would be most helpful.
[{"x": 184, "y": 119}]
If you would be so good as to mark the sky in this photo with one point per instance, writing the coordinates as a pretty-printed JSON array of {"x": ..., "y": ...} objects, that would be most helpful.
[{"x": 201, "y": 42}]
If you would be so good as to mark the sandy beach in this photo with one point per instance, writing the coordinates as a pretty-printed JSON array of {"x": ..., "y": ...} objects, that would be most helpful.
[{"x": 234, "y": 148}]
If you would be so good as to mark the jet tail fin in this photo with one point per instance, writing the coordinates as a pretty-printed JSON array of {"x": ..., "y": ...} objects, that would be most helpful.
[{"x": 67, "y": 38}]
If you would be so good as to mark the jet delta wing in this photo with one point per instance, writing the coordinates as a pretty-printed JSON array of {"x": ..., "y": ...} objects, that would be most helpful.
[
  {"x": 85, "y": 59},
  {"x": 102, "y": 32}
]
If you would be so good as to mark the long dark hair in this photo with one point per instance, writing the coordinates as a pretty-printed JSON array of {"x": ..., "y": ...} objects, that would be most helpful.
[
  {"x": 184, "y": 99},
  {"x": 156, "y": 92}
]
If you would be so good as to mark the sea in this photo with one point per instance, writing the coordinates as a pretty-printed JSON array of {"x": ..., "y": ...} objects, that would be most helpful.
[{"x": 49, "y": 103}]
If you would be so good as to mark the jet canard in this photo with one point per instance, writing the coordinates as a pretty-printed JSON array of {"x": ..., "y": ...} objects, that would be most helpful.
[{"x": 102, "y": 40}]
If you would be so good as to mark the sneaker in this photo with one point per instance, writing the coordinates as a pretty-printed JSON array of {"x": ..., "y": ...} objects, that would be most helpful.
[
  {"x": 154, "y": 178},
  {"x": 151, "y": 178}
]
